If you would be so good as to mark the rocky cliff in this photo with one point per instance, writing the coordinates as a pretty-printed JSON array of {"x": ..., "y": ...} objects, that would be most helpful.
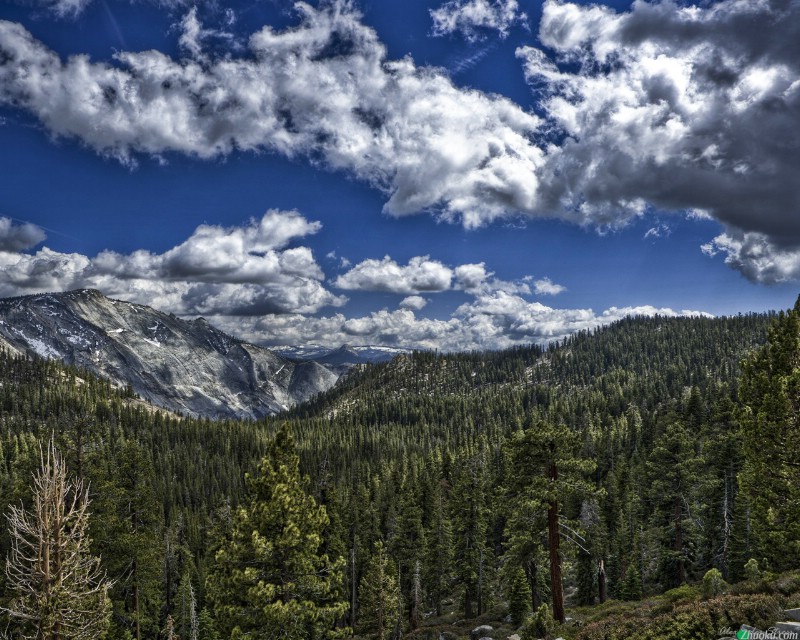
[{"x": 184, "y": 366}]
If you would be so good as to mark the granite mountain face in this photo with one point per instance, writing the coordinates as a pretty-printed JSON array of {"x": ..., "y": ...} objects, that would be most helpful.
[{"x": 184, "y": 366}]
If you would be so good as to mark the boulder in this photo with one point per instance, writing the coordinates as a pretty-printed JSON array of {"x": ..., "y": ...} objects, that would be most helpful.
[{"x": 479, "y": 633}]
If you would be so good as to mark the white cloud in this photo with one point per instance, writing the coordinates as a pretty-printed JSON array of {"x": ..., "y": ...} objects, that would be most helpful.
[
  {"x": 470, "y": 277},
  {"x": 424, "y": 275},
  {"x": 675, "y": 106},
  {"x": 546, "y": 287},
  {"x": 415, "y": 303},
  {"x": 756, "y": 257},
  {"x": 66, "y": 8},
  {"x": 473, "y": 18},
  {"x": 323, "y": 89},
  {"x": 73, "y": 8},
  {"x": 666, "y": 105},
  {"x": 420, "y": 275},
  {"x": 217, "y": 270},
  {"x": 19, "y": 236},
  {"x": 492, "y": 321},
  {"x": 659, "y": 231}
]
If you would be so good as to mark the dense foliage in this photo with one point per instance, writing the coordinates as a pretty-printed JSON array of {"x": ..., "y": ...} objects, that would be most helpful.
[{"x": 430, "y": 471}]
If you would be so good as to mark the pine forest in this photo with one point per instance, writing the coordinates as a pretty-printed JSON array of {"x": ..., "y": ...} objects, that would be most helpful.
[{"x": 636, "y": 481}]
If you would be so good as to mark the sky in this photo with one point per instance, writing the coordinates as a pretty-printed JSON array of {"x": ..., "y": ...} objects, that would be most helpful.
[{"x": 467, "y": 174}]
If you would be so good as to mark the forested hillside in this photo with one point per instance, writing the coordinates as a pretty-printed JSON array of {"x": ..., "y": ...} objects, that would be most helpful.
[{"x": 437, "y": 483}]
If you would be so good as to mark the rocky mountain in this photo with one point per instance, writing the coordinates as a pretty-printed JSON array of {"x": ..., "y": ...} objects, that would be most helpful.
[
  {"x": 185, "y": 366},
  {"x": 343, "y": 358}
]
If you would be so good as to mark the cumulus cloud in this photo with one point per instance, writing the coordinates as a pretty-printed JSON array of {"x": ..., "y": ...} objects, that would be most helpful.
[
  {"x": 237, "y": 271},
  {"x": 673, "y": 106},
  {"x": 425, "y": 275},
  {"x": 322, "y": 89},
  {"x": 474, "y": 18},
  {"x": 421, "y": 274},
  {"x": 756, "y": 257},
  {"x": 19, "y": 237},
  {"x": 546, "y": 287},
  {"x": 415, "y": 303},
  {"x": 491, "y": 321}
]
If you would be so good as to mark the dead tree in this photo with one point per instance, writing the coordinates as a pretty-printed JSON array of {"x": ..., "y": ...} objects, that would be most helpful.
[{"x": 60, "y": 592}]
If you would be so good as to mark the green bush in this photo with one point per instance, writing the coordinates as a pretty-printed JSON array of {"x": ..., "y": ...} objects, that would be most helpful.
[
  {"x": 682, "y": 594},
  {"x": 751, "y": 570},
  {"x": 713, "y": 584},
  {"x": 698, "y": 620},
  {"x": 540, "y": 625}
]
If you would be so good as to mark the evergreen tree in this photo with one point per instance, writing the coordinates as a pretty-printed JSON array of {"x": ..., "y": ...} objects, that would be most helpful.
[
  {"x": 631, "y": 587},
  {"x": 207, "y": 628},
  {"x": 379, "y": 593},
  {"x": 518, "y": 602},
  {"x": 127, "y": 536},
  {"x": 439, "y": 553},
  {"x": 269, "y": 579},
  {"x": 770, "y": 421},
  {"x": 674, "y": 468},
  {"x": 546, "y": 458}
]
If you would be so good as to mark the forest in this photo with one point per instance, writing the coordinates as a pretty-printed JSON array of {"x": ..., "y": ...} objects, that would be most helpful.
[{"x": 418, "y": 497}]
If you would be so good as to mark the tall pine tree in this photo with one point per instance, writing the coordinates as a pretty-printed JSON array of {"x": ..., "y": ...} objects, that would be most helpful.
[{"x": 270, "y": 579}]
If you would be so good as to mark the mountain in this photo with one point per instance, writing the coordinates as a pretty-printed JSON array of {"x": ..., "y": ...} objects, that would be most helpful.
[
  {"x": 343, "y": 358},
  {"x": 185, "y": 366}
]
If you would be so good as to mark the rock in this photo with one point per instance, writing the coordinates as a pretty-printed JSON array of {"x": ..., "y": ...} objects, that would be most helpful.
[
  {"x": 789, "y": 629},
  {"x": 187, "y": 367},
  {"x": 479, "y": 633},
  {"x": 514, "y": 637}
]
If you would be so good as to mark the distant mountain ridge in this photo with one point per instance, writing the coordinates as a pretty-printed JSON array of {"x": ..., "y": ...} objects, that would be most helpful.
[
  {"x": 345, "y": 357},
  {"x": 185, "y": 366}
]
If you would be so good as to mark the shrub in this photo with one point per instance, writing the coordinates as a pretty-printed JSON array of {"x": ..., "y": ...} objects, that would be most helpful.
[
  {"x": 713, "y": 584},
  {"x": 751, "y": 570},
  {"x": 540, "y": 625}
]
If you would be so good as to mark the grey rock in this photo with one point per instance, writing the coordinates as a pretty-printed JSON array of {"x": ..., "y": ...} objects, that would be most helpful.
[
  {"x": 185, "y": 366},
  {"x": 789, "y": 630},
  {"x": 514, "y": 636},
  {"x": 479, "y": 633}
]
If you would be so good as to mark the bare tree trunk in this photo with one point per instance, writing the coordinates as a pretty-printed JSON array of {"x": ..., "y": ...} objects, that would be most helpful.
[
  {"x": 601, "y": 582},
  {"x": 531, "y": 573},
  {"x": 56, "y": 585}
]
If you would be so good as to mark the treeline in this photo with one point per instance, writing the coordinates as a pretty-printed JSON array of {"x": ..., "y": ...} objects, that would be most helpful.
[{"x": 435, "y": 474}]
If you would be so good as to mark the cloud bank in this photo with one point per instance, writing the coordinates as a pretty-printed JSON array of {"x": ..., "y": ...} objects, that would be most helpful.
[
  {"x": 238, "y": 271},
  {"x": 491, "y": 321},
  {"x": 251, "y": 281}
]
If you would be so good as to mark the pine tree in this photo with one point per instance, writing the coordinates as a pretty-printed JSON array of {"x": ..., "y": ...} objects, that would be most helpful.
[
  {"x": 59, "y": 591},
  {"x": 379, "y": 593},
  {"x": 518, "y": 602},
  {"x": 674, "y": 468},
  {"x": 206, "y": 626},
  {"x": 269, "y": 578},
  {"x": 127, "y": 535},
  {"x": 631, "y": 587},
  {"x": 770, "y": 421},
  {"x": 439, "y": 553},
  {"x": 548, "y": 466}
]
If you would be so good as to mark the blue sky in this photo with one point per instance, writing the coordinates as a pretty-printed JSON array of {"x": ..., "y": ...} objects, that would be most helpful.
[{"x": 457, "y": 175}]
